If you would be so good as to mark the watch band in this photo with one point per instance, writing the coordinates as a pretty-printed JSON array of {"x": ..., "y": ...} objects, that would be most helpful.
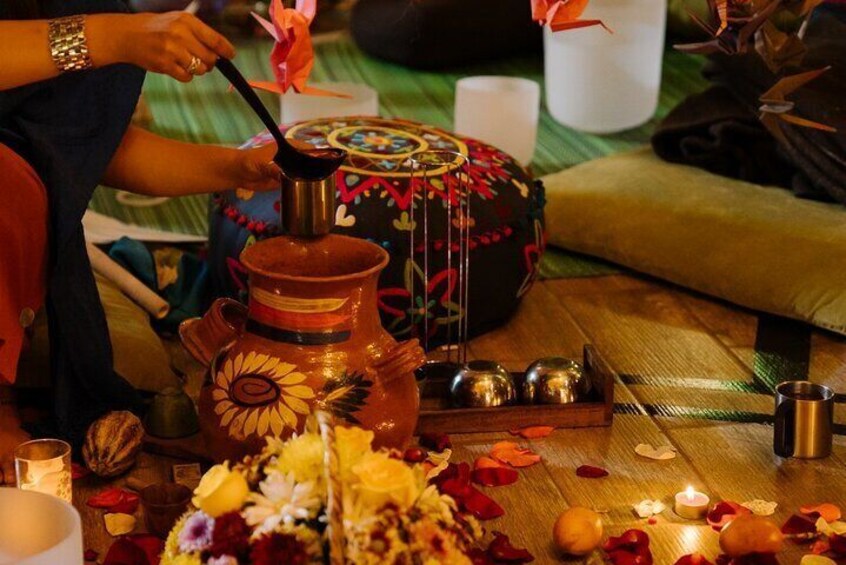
[{"x": 68, "y": 46}]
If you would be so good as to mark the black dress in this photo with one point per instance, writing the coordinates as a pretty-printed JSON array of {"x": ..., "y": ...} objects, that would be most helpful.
[{"x": 68, "y": 128}]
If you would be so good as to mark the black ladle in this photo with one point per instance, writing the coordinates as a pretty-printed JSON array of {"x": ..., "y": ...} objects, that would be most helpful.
[{"x": 312, "y": 164}]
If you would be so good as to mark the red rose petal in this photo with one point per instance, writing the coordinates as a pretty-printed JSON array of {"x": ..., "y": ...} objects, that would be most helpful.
[
  {"x": 838, "y": 544},
  {"x": 501, "y": 550},
  {"x": 631, "y": 540},
  {"x": 480, "y": 505},
  {"x": 150, "y": 544},
  {"x": 798, "y": 525},
  {"x": 105, "y": 498},
  {"x": 631, "y": 548},
  {"x": 693, "y": 559},
  {"x": 78, "y": 471},
  {"x": 479, "y": 556},
  {"x": 91, "y": 555},
  {"x": 435, "y": 441},
  {"x": 125, "y": 552},
  {"x": 115, "y": 500},
  {"x": 455, "y": 482},
  {"x": 724, "y": 512},
  {"x": 532, "y": 432},
  {"x": 494, "y": 477},
  {"x": 591, "y": 472},
  {"x": 827, "y": 511}
]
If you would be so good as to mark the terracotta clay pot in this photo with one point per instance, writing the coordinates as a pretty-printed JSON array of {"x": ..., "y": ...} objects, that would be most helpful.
[{"x": 311, "y": 335}]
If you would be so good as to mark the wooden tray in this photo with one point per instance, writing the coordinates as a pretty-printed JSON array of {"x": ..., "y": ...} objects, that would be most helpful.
[{"x": 437, "y": 414}]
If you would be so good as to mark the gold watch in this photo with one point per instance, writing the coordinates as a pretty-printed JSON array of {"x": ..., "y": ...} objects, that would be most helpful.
[{"x": 68, "y": 46}]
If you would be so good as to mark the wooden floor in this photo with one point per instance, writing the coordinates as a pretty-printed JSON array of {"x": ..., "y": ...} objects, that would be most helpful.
[{"x": 695, "y": 374}]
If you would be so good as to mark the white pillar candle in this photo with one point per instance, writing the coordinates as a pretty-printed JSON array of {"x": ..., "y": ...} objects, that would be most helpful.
[{"x": 692, "y": 505}]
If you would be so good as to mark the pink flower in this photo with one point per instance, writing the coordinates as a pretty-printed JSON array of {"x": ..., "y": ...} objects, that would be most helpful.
[{"x": 196, "y": 534}]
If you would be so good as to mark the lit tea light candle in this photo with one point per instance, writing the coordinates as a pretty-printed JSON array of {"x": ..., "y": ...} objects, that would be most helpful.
[
  {"x": 44, "y": 465},
  {"x": 692, "y": 505}
]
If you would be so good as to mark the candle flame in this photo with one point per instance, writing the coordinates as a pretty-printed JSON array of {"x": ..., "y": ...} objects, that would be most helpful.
[{"x": 689, "y": 492}]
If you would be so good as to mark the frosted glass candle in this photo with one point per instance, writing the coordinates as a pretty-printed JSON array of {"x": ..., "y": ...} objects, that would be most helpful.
[
  {"x": 44, "y": 465},
  {"x": 363, "y": 101},
  {"x": 501, "y": 111},
  {"x": 37, "y": 529},
  {"x": 602, "y": 82}
]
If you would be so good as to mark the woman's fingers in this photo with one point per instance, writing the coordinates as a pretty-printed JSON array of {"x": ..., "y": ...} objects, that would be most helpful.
[
  {"x": 179, "y": 72},
  {"x": 212, "y": 40},
  {"x": 198, "y": 49}
]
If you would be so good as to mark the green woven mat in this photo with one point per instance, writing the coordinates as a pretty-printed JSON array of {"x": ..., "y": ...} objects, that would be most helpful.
[{"x": 205, "y": 111}]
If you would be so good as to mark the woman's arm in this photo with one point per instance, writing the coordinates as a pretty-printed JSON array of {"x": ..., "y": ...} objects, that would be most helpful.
[
  {"x": 162, "y": 43},
  {"x": 156, "y": 166}
]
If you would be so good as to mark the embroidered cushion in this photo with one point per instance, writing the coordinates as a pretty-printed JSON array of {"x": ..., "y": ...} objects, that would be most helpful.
[{"x": 374, "y": 202}]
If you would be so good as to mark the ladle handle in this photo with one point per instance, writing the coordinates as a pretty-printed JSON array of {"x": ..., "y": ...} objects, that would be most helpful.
[{"x": 235, "y": 77}]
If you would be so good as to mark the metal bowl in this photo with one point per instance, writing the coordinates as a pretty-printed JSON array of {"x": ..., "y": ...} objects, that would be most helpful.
[
  {"x": 482, "y": 384},
  {"x": 555, "y": 380}
]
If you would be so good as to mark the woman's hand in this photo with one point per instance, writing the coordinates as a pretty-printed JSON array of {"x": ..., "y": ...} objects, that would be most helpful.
[
  {"x": 162, "y": 43},
  {"x": 254, "y": 169}
]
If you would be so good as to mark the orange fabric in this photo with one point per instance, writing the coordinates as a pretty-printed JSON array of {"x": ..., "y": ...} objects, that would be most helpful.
[{"x": 23, "y": 253}]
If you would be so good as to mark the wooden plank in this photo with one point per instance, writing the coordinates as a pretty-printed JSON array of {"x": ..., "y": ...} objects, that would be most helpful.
[
  {"x": 631, "y": 478},
  {"x": 736, "y": 462},
  {"x": 648, "y": 332},
  {"x": 540, "y": 328},
  {"x": 149, "y": 469}
]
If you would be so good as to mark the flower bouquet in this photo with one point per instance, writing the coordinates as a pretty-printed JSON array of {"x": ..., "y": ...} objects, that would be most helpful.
[{"x": 325, "y": 496}]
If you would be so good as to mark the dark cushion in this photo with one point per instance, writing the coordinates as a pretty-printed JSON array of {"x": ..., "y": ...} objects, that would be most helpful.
[
  {"x": 444, "y": 33},
  {"x": 373, "y": 203}
]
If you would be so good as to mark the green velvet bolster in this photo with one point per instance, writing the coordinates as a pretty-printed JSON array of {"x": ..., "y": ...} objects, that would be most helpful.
[{"x": 756, "y": 246}]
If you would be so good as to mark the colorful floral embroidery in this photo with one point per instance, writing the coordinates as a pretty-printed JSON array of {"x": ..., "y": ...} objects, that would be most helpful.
[{"x": 421, "y": 303}]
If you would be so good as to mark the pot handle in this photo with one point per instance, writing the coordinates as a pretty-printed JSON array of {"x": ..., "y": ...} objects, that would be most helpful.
[
  {"x": 404, "y": 358},
  {"x": 205, "y": 337}
]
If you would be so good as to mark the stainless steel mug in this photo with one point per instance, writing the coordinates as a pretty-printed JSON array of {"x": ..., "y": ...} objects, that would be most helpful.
[{"x": 804, "y": 418}]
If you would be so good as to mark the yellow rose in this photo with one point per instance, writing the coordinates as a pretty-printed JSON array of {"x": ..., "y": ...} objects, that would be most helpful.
[
  {"x": 382, "y": 480},
  {"x": 220, "y": 491},
  {"x": 351, "y": 444}
]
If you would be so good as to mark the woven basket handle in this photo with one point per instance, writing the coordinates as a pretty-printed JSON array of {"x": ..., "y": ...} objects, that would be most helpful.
[{"x": 334, "y": 492}]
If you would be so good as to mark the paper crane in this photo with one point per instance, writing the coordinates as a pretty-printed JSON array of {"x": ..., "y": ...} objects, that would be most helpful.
[
  {"x": 292, "y": 57},
  {"x": 562, "y": 14},
  {"x": 776, "y": 108}
]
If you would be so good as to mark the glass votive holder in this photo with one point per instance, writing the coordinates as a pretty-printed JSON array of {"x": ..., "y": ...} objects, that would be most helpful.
[
  {"x": 44, "y": 465},
  {"x": 362, "y": 101},
  {"x": 163, "y": 505},
  {"x": 501, "y": 111}
]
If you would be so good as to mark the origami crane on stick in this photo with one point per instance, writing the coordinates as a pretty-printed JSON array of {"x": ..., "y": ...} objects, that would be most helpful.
[
  {"x": 292, "y": 57},
  {"x": 562, "y": 15}
]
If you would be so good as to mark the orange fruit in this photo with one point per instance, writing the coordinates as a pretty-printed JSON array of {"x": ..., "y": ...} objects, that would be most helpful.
[{"x": 577, "y": 531}]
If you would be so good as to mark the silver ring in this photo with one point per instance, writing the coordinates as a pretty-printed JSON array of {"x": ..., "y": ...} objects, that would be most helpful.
[{"x": 195, "y": 64}]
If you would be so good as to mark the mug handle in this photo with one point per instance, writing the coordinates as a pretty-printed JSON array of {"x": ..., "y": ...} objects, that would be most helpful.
[{"x": 783, "y": 443}]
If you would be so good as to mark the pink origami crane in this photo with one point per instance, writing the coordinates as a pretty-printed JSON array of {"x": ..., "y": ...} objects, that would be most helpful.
[
  {"x": 562, "y": 14},
  {"x": 292, "y": 57}
]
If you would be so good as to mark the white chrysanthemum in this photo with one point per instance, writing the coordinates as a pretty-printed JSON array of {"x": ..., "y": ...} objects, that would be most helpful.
[{"x": 282, "y": 501}]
